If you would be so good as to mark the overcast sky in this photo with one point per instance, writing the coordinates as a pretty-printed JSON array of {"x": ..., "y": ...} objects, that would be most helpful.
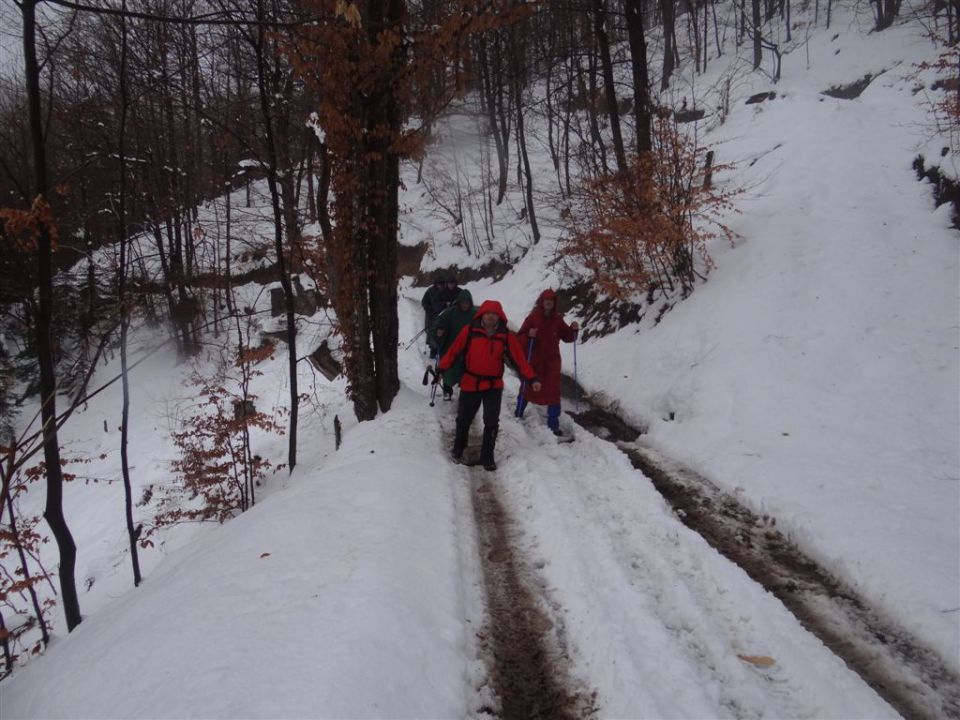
[{"x": 10, "y": 39}]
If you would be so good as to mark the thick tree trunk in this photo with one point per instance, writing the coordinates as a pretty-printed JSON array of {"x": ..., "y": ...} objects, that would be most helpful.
[
  {"x": 668, "y": 13},
  {"x": 53, "y": 512},
  {"x": 641, "y": 78},
  {"x": 693, "y": 32},
  {"x": 384, "y": 212}
]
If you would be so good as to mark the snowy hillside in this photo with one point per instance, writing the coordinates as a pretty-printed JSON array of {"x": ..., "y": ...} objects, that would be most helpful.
[{"x": 814, "y": 376}]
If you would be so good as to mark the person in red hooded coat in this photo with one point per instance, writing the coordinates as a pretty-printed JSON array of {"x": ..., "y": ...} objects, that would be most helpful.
[
  {"x": 545, "y": 328},
  {"x": 483, "y": 343}
]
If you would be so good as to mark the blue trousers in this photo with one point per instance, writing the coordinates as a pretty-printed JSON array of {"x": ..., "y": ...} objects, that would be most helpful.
[{"x": 553, "y": 413}]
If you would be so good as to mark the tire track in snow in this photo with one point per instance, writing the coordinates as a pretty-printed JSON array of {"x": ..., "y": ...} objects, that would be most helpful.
[
  {"x": 909, "y": 676},
  {"x": 521, "y": 643},
  {"x": 655, "y": 617}
]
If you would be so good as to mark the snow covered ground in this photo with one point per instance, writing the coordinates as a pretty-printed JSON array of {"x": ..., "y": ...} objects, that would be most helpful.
[{"x": 815, "y": 376}]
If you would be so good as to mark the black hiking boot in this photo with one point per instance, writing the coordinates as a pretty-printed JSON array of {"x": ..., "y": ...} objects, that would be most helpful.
[{"x": 486, "y": 450}]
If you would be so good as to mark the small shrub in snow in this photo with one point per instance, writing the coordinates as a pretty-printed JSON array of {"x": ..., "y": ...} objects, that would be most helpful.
[
  {"x": 218, "y": 472},
  {"x": 23, "y": 611},
  {"x": 647, "y": 229}
]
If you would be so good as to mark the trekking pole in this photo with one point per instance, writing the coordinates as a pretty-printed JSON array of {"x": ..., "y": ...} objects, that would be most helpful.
[
  {"x": 436, "y": 381},
  {"x": 523, "y": 383},
  {"x": 576, "y": 385},
  {"x": 415, "y": 337}
]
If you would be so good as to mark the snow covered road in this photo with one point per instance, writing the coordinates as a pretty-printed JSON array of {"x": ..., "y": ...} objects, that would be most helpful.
[{"x": 654, "y": 618}]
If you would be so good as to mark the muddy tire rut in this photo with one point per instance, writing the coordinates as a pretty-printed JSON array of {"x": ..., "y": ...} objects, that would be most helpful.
[
  {"x": 909, "y": 676},
  {"x": 520, "y": 643}
]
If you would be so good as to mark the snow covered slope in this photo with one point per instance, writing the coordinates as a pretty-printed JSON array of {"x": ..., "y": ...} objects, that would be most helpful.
[{"x": 815, "y": 376}]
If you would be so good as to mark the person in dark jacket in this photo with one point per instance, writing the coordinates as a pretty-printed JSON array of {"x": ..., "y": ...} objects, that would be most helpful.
[
  {"x": 450, "y": 291},
  {"x": 434, "y": 302},
  {"x": 540, "y": 335},
  {"x": 483, "y": 343},
  {"x": 445, "y": 330}
]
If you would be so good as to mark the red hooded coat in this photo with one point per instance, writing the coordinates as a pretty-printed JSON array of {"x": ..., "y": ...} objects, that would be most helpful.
[
  {"x": 545, "y": 359},
  {"x": 483, "y": 366}
]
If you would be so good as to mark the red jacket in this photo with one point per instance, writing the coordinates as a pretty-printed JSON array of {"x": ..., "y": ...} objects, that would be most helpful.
[
  {"x": 483, "y": 368},
  {"x": 545, "y": 358}
]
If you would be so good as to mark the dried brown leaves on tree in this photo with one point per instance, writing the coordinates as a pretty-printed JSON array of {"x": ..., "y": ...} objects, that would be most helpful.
[
  {"x": 648, "y": 229},
  {"x": 25, "y": 614},
  {"x": 381, "y": 75},
  {"x": 946, "y": 109}
]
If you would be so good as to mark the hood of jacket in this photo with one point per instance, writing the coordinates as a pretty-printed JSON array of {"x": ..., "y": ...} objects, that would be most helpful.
[
  {"x": 548, "y": 294},
  {"x": 464, "y": 296},
  {"x": 491, "y": 306}
]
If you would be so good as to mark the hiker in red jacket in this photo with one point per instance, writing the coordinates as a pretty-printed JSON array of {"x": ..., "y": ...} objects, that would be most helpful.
[
  {"x": 483, "y": 344},
  {"x": 545, "y": 328}
]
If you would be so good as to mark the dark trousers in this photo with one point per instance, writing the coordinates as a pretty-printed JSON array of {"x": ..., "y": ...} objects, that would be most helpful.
[
  {"x": 467, "y": 408},
  {"x": 428, "y": 318}
]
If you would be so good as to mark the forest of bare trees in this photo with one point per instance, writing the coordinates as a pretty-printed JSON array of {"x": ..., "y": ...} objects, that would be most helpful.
[{"x": 125, "y": 116}]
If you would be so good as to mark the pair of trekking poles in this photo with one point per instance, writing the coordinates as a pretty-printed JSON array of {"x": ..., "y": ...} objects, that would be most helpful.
[{"x": 430, "y": 371}]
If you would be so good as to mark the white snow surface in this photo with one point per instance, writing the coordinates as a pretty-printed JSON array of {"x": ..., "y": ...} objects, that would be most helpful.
[{"x": 814, "y": 376}]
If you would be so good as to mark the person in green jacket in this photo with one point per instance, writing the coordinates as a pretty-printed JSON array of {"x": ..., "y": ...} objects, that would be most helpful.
[{"x": 445, "y": 329}]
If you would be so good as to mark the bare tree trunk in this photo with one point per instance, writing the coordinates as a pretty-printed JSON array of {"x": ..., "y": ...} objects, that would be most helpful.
[
  {"x": 489, "y": 102},
  {"x": 668, "y": 13},
  {"x": 716, "y": 27},
  {"x": 132, "y": 533},
  {"x": 706, "y": 32},
  {"x": 757, "y": 48},
  {"x": 266, "y": 100},
  {"x": 693, "y": 32},
  {"x": 53, "y": 512},
  {"x": 599, "y": 28},
  {"x": 641, "y": 79},
  {"x": 567, "y": 115},
  {"x": 595, "y": 134},
  {"x": 518, "y": 75}
]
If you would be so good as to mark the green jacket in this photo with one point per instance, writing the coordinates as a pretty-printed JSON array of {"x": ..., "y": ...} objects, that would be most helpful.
[{"x": 452, "y": 321}]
